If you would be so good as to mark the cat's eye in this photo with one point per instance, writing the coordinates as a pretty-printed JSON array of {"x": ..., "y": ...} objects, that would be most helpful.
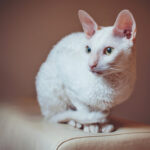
[
  {"x": 108, "y": 50},
  {"x": 88, "y": 49}
]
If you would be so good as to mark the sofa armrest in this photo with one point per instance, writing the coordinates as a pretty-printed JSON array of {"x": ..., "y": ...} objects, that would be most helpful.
[{"x": 23, "y": 131}]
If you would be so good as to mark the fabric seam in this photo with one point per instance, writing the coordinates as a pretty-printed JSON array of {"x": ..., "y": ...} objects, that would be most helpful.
[{"x": 75, "y": 138}]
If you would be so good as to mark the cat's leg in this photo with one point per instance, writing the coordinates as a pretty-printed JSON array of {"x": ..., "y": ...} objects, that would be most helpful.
[
  {"x": 91, "y": 126},
  {"x": 82, "y": 117},
  {"x": 79, "y": 120},
  {"x": 93, "y": 122}
]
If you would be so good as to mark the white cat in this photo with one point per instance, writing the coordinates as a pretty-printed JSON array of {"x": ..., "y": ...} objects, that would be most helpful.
[{"x": 86, "y": 74}]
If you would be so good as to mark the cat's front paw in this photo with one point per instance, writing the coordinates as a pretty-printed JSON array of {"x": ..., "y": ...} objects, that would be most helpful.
[
  {"x": 93, "y": 128},
  {"x": 96, "y": 128},
  {"x": 107, "y": 128},
  {"x": 90, "y": 128},
  {"x": 75, "y": 124}
]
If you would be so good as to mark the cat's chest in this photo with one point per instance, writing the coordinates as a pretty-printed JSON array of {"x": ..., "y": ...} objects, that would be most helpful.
[{"x": 89, "y": 88}]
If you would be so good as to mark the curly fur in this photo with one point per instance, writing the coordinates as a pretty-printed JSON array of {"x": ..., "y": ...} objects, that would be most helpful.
[{"x": 68, "y": 90}]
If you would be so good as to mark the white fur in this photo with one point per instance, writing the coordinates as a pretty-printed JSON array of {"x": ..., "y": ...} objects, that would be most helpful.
[{"x": 68, "y": 90}]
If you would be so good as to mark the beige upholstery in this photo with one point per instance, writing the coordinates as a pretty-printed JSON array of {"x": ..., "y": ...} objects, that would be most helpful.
[{"x": 22, "y": 128}]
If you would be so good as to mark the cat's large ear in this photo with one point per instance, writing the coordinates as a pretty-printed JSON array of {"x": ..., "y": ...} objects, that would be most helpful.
[
  {"x": 125, "y": 25},
  {"x": 88, "y": 24}
]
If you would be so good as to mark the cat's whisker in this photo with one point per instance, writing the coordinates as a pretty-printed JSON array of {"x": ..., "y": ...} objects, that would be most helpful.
[{"x": 116, "y": 69}]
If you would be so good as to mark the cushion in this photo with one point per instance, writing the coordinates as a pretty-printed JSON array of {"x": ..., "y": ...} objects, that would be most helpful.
[{"x": 23, "y": 128}]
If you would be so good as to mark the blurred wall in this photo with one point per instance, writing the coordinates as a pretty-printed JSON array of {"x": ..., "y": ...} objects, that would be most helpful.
[{"x": 29, "y": 29}]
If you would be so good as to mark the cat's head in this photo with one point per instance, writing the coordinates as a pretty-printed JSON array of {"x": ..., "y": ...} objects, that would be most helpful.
[{"x": 109, "y": 48}]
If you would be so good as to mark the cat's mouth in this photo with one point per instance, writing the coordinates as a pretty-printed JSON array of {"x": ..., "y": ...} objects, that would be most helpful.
[
  {"x": 98, "y": 71},
  {"x": 102, "y": 71},
  {"x": 105, "y": 71}
]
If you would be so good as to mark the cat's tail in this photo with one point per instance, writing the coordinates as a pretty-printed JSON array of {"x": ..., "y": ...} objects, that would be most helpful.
[{"x": 82, "y": 117}]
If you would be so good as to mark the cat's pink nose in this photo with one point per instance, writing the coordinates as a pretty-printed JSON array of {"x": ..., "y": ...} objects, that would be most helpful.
[
  {"x": 93, "y": 62},
  {"x": 93, "y": 66}
]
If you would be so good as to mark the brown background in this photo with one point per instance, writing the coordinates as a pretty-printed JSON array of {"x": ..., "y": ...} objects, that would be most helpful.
[{"x": 29, "y": 29}]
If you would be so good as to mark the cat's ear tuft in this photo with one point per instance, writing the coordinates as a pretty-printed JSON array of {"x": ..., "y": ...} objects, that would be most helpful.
[
  {"x": 88, "y": 24},
  {"x": 125, "y": 25}
]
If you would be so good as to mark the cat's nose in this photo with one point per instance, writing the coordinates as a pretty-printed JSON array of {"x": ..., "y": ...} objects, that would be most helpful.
[
  {"x": 93, "y": 61},
  {"x": 92, "y": 66}
]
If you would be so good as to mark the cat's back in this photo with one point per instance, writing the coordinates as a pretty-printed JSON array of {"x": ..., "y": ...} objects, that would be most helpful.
[
  {"x": 69, "y": 44},
  {"x": 63, "y": 56},
  {"x": 68, "y": 56}
]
